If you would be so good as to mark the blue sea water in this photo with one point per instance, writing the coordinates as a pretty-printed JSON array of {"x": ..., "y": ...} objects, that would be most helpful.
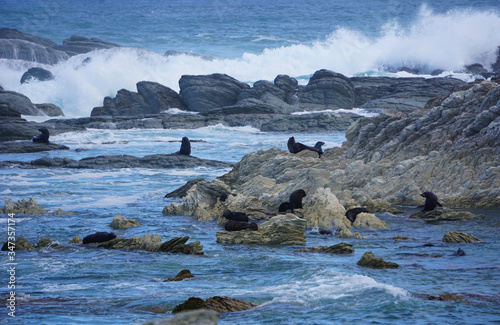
[{"x": 249, "y": 40}]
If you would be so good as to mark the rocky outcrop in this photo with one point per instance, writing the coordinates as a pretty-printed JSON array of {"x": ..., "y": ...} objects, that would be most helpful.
[
  {"x": 445, "y": 214},
  {"x": 342, "y": 248},
  {"x": 80, "y": 45},
  {"x": 18, "y": 102},
  {"x": 28, "y": 207},
  {"x": 459, "y": 237},
  {"x": 21, "y": 243},
  {"x": 152, "y": 243},
  {"x": 120, "y": 222},
  {"x": 217, "y": 303},
  {"x": 29, "y": 147},
  {"x": 182, "y": 275},
  {"x": 280, "y": 230},
  {"x": 50, "y": 109},
  {"x": 46, "y": 242},
  {"x": 368, "y": 260}
]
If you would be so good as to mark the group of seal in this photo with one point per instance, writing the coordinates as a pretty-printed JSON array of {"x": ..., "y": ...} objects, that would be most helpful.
[
  {"x": 295, "y": 147},
  {"x": 43, "y": 137},
  {"x": 237, "y": 221},
  {"x": 294, "y": 201}
]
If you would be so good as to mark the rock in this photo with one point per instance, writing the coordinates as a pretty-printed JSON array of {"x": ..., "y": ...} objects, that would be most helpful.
[
  {"x": 342, "y": 248},
  {"x": 269, "y": 96},
  {"x": 182, "y": 191},
  {"x": 29, "y": 147},
  {"x": 126, "y": 103},
  {"x": 7, "y": 33},
  {"x": 401, "y": 237},
  {"x": 286, "y": 229},
  {"x": 19, "y": 103},
  {"x": 217, "y": 303},
  {"x": 178, "y": 245},
  {"x": 495, "y": 67},
  {"x": 24, "y": 206},
  {"x": 459, "y": 237},
  {"x": 159, "y": 97},
  {"x": 445, "y": 214},
  {"x": 477, "y": 69},
  {"x": 368, "y": 220},
  {"x": 194, "y": 317},
  {"x": 326, "y": 90},
  {"x": 20, "y": 244},
  {"x": 120, "y": 222},
  {"x": 8, "y": 113},
  {"x": 202, "y": 93},
  {"x": 147, "y": 242},
  {"x": 446, "y": 297},
  {"x": 368, "y": 260},
  {"x": 76, "y": 240},
  {"x": 28, "y": 51},
  {"x": 36, "y": 74},
  {"x": 46, "y": 242},
  {"x": 50, "y": 109},
  {"x": 59, "y": 212},
  {"x": 184, "y": 274},
  {"x": 192, "y": 303},
  {"x": 80, "y": 45}
]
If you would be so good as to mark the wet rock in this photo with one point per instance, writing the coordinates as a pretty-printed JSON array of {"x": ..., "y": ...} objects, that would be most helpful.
[
  {"x": 120, "y": 222},
  {"x": 182, "y": 191},
  {"x": 20, "y": 244},
  {"x": 50, "y": 109},
  {"x": 368, "y": 260},
  {"x": 184, "y": 274},
  {"x": 445, "y": 214},
  {"x": 24, "y": 206},
  {"x": 76, "y": 240},
  {"x": 447, "y": 297},
  {"x": 459, "y": 237},
  {"x": 80, "y": 45},
  {"x": 369, "y": 220},
  {"x": 342, "y": 248},
  {"x": 36, "y": 74},
  {"x": 194, "y": 317},
  {"x": 178, "y": 245},
  {"x": 19, "y": 49},
  {"x": 46, "y": 242},
  {"x": 29, "y": 147},
  {"x": 158, "y": 96},
  {"x": 192, "y": 303},
  {"x": 19, "y": 103},
  {"x": 147, "y": 242},
  {"x": 401, "y": 237},
  {"x": 60, "y": 211},
  {"x": 216, "y": 303}
]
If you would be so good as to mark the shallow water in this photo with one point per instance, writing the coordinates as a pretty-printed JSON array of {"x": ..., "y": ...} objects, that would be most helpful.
[{"x": 73, "y": 284}]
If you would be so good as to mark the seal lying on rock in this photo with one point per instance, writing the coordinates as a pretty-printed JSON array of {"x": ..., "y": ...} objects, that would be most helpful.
[
  {"x": 99, "y": 237},
  {"x": 431, "y": 201},
  {"x": 233, "y": 225},
  {"x": 351, "y": 214},
  {"x": 285, "y": 206},
  {"x": 185, "y": 147},
  {"x": 236, "y": 216},
  {"x": 43, "y": 137},
  {"x": 295, "y": 147}
]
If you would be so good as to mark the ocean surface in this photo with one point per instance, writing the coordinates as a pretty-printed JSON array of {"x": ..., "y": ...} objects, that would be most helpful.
[{"x": 249, "y": 40}]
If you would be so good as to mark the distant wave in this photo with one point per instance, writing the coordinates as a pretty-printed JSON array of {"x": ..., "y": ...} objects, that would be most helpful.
[{"x": 432, "y": 41}]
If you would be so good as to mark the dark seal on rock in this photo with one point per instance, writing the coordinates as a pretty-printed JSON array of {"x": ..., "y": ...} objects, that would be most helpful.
[
  {"x": 285, "y": 206},
  {"x": 296, "y": 198},
  {"x": 236, "y": 216},
  {"x": 185, "y": 147},
  {"x": 43, "y": 137},
  {"x": 431, "y": 201},
  {"x": 232, "y": 225},
  {"x": 99, "y": 237},
  {"x": 351, "y": 214},
  {"x": 295, "y": 147}
]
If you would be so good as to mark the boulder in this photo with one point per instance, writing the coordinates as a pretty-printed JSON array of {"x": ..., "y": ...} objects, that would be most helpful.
[
  {"x": 269, "y": 95},
  {"x": 184, "y": 274},
  {"x": 445, "y": 214},
  {"x": 60, "y": 211},
  {"x": 459, "y": 237},
  {"x": 46, "y": 242},
  {"x": 369, "y": 220},
  {"x": 202, "y": 93},
  {"x": 36, "y": 74},
  {"x": 50, "y": 109},
  {"x": 326, "y": 90},
  {"x": 21, "y": 244},
  {"x": 24, "y": 50},
  {"x": 126, "y": 103},
  {"x": 182, "y": 191},
  {"x": 342, "y": 248},
  {"x": 368, "y": 260},
  {"x": 120, "y": 222},
  {"x": 147, "y": 242},
  {"x": 19, "y": 103},
  {"x": 217, "y": 303},
  {"x": 178, "y": 245},
  {"x": 76, "y": 240},
  {"x": 158, "y": 97},
  {"x": 287, "y": 229},
  {"x": 24, "y": 206},
  {"x": 29, "y": 147},
  {"x": 14, "y": 34},
  {"x": 192, "y": 303}
]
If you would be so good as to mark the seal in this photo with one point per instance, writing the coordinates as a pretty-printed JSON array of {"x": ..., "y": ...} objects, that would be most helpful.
[
  {"x": 296, "y": 198},
  {"x": 233, "y": 225},
  {"x": 295, "y": 147},
  {"x": 99, "y": 237},
  {"x": 285, "y": 206},
  {"x": 431, "y": 201},
  {"x": 236, "y": 216},
  {"x": 351, "y": 214},
  {"x": 185, "y": 147},
  {"x": 43, "y": 137}
]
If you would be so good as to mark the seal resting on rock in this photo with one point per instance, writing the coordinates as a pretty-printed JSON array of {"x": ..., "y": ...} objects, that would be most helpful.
[
  {"x": 185, "y": 147},
  {"x": 296, "y": 198},
  {"x": 285, "y": 206},
  {"x": 99, "y": 237},
  {"x": 236, "y": 216},
  {"x": 233, "y": 225},
  {"x": 43, "y": 137},
  {"x": 295, "y": 147},
  {"x": 351, "y": 214},
  {"x": 431, "y": 201}
]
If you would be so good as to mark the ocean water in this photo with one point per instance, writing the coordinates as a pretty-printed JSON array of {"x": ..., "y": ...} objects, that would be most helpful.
[{"x": 249, "y": 40}]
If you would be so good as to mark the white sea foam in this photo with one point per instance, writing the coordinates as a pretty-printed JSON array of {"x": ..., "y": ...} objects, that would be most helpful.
[
  {"x": 357, "y": 111},
  {"x": 432, "y": 41}
]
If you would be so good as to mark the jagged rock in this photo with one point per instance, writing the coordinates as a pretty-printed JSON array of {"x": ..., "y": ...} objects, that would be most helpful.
[
  {"x": 326, "y": 90},
  {"x": 184, "y": 274},
  {"x": 368, "y": 220},
  {"x": 46, "y": 242},
  {"x": 120, "y": 222},
  {"x": 36, "y": 74},
  {"x": 217, "y": 303},
  {"x": 192, "y": 303},
  {"x": 24, "y": 206},
  {"x": 76, "y": 240},
  {"x": 59, "y": 212},
  {"x": 182, "y": 191},
  {"x": 147, "y": 242},
  {"x": 80, "y": 45},
  {"x": 446, "y": 297},
  {"x": 29, "y": 147},
  {"x": 202, "y": 93},
  {"x": 126, "y": 103},
  {"x": 368, "y": 260},
  {"x": 342, "y": 248},
  {"x": 400, "y": 237},
  {"x": 20, "y": 244},
  {"x": 194, "y": 317},
  {"x": 459, "y": 237},
  {"x": 50, "y": 109},
  {"x": 159, "y": 97},
  {"x": 18, "y": 102},
  {"x": 445, "y": 214},
  {"x": 178, "y": 245},
  {"x": 286, "y": 229}
]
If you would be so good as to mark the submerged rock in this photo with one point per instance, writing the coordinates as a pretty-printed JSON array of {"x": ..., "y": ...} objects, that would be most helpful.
[
  {"x": 184, "y": 274},
  {"x": 76, "y": 240},
  {"x": 46, "y": 242},
  {"x": 342, "y": 248},
  {"x": 193, "y": 317},
  {"x": 368, "y": 260},
  {"x": 29, "y": 147},
  {"x": 217, "y": 303},
  {"x": 445, "y": 214},
  {"x": 459, "y": 237}
]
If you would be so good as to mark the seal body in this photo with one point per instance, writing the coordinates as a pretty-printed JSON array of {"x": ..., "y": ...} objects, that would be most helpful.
[
  {"x": 351, "y": 214},
  {"x": 236, "y": 216},
  {"x": 296, "y": 198},
  {"x": 99, "y": 237},
  {"x": 43, "y": 137},
  {"x": 185, "y": 147},
  {"x": 295, "y": 147},
  {"x": 285, "y": 206},
  {"x": 431, "y": 201},
  {"x": 233, "y": 225}
]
